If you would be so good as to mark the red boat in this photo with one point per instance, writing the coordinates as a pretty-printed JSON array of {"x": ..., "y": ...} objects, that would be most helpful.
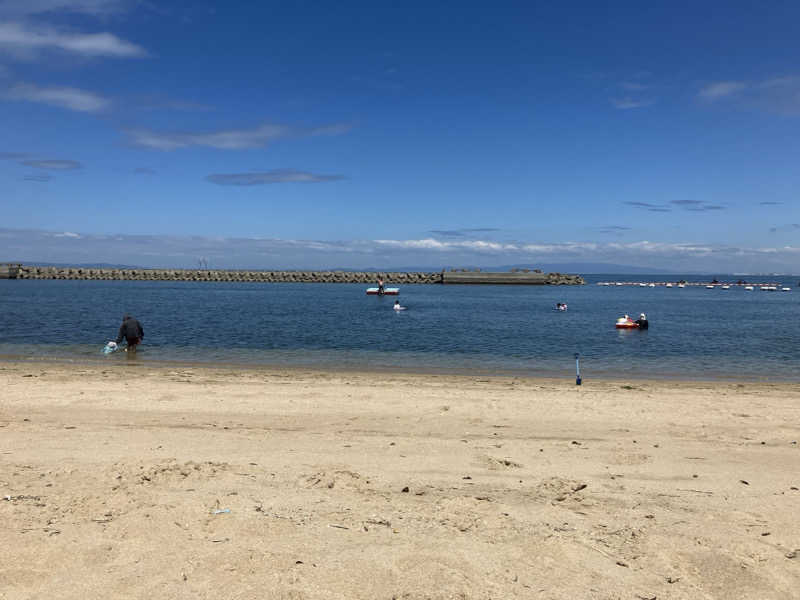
[
  {"x": 623, "y": 323},
  {"x": 386, "y": 291}
]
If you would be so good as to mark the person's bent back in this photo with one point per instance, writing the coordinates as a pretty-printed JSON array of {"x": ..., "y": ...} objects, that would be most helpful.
[{"x": 131, "y": 331}]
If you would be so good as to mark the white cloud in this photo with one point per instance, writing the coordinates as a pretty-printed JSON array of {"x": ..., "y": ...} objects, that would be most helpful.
[
  {"x": 63, "y": 97},
  {"x": 227, "y": 139},
  {"x": 97, "y": 8},
  {"x": 777, "y": 95},
  {"x": 721, "y": 89},
  {"x": 231, "y": 139},
  {"x": 26, "y": 42},
  {"x": 182, "y": 251},
  {"x": 628, "y": 103}
]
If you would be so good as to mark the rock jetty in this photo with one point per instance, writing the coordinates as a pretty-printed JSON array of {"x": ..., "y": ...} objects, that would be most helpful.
[{"x": 393, "y": 278}]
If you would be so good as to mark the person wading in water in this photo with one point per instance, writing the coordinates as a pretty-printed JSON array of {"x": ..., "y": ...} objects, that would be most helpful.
[{"x": 131, "y": 330}]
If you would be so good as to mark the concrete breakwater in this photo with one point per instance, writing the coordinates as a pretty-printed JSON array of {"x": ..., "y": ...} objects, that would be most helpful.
[{"x": 391, "y": 278}]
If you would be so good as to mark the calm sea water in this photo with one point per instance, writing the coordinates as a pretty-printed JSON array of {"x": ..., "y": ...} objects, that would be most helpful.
[{"x": 694, "y": 332}]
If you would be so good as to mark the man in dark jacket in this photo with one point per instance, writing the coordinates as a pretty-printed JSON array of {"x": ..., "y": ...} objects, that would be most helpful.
[{"x": 132, "y": 331}]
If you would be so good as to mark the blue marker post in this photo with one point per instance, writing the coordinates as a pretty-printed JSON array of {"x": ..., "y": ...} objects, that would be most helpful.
[{"x": 577, "y": 369}]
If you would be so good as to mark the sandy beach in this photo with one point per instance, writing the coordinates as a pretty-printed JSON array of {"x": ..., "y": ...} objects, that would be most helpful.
[{"x": 133, "y": 481}]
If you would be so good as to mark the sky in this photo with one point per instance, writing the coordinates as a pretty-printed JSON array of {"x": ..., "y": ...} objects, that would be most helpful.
[{"x": 380, "y": 134}]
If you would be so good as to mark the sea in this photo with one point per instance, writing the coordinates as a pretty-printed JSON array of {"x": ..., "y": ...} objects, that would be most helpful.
[{"x": 695, "y": 333}]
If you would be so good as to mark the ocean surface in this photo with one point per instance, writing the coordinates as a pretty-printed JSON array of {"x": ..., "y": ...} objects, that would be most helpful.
[{"x": 695, "y": 333}]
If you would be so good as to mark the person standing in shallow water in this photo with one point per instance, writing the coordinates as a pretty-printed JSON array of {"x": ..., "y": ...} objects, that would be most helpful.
[{"x": 131, "y": 330}]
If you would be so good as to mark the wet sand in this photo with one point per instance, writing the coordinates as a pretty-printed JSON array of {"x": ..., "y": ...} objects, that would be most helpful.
[{"x": 365, "y": 485}]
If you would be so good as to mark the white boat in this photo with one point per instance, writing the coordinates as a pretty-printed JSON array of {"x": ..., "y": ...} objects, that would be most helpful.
[
  {"x": 373, "y": 291},
  {"x": 786, "y": 289},
  {"x": 651, "y": 285},
  {"x": 726, "y": 287},
  {"x": 709, "y": 287},
  {"x": 669, "y": 285},
  {"x": 769, "y": 288},
  {"x": 749, "y": 288},
  {"x": 642, "y": 285},
  {"x": 681, "y": 285},
  {"x": 619, "y": 283}
]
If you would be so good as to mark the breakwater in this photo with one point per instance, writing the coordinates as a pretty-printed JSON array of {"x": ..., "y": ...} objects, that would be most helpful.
[
  {"x": 370, "y": 277},
  {"x": 9, "y": 271}
]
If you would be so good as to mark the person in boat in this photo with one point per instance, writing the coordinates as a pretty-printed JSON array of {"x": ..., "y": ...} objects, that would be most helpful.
[
  {"x": 642, "y": 321},
  {"x": 131, "y": 331},
  {"x": 381, "y": 290}
]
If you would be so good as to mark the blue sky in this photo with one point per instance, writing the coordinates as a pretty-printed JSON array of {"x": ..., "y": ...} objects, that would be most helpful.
[{"x": 317, "y": 134}]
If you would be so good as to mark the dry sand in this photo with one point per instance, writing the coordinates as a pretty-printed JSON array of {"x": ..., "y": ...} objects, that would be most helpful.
[{"x": 365, "y": 485}]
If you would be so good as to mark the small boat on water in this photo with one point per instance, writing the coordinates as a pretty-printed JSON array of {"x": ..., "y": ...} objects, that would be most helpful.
[
  {"x": 749, "y": 288},
  {"x": 642, "y": 285},
  {"x": 373, "y": 291},
  {"x": 726, "y": 287},
  {"x": 651, "y": 285},
  {"x": 681, "y": 285},
  {"x": 769, "y": 288},
  {"x": 786, "y": 289},
  {"x": 670, "y": 285},
  {"x": 710, "y": 287},
  {"x": 623, "y": 323}
]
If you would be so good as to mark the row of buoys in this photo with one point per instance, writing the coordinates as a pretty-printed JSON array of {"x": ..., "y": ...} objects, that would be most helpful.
[{"x": 708, "y": 286}]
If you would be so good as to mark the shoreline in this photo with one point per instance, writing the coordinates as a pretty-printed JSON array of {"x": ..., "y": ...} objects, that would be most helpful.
[
  {"x": 438, "y": 486},
  {"x": 367, "y": 370}
]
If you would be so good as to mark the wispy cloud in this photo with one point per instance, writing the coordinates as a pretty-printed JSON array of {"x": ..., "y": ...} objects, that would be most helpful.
[
  {"x": 13, "y": 155},
  {"x": 783, "y": 228},
  {"x": 269, "y": 177},
  {"x": 23, "y": 41},
  {"x": 96, "y": 8},
  {"x": 627, "y": 103},
  {"x": 721, "y": 89},
  {"x": 697, "y": 205},
  {"x": 227, "y": 139},
  {"x": 53, "y": 164},
  {"x": 649, "y": 206},
  {"x": 63, "y": 97},
  {"x": 464, "y": 232},
  {"x": 39, "y": 178},
  {"x": 633, "y": 86},
  {"x": 176, "y": 251},
  {"x": 614, "y": 229},
  {"x": 778, "y": 95}
]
